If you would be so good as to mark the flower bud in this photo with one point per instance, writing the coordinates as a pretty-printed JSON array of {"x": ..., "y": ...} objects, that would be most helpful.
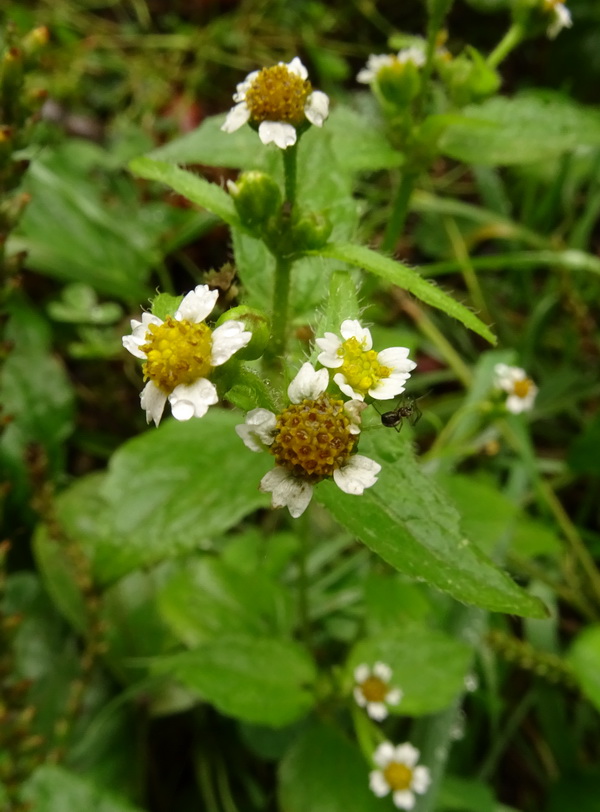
[
  {"x": 256, "y": 323},
  {"x": 165, "y": 304},
  {"x": 310, "y": 231},
  {"x": 399, "y": 83},
  {"x": 256, "y": 197},
  {"x": 35, "y": 41},
  {"x": 468, "y": 77}
]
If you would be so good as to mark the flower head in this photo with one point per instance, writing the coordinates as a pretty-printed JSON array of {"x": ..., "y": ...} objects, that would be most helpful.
[
  {"x": 373, "y": 691},
  {"x": 560, "y": 17},
  {"x": 390, "y": 62},
  {"x": 278, "y": 100},
  {"x": 362, "y": 371},
  {"x": 313, "y": 439},
  {"x": 399, "y": 774},
  {"x": 180, "y": 354},
  {"x": 520, "y": 389}
]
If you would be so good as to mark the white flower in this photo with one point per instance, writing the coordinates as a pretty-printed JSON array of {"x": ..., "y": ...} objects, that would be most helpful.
[
  {"x": 279, "y": 100},
  {"x": 520, "y": 389},
  {"x": 560, "y": 17},
  {"x": 372, "y": 690},
  {"x": 312, "y": 439},
  {"x": 180, "y": 353},
  {"x": 362, "y": 370},
  {"x": 376, "y": 62},
  {"x": 399, "y": 774}
]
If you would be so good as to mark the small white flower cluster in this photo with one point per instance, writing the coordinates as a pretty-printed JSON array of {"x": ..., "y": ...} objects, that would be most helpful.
[
  {"x": 520, "y": 389},
  {"x": 373, "y": 690},
  {"x": 399, "y": 773},
  {"x": 376, "y": 62}
]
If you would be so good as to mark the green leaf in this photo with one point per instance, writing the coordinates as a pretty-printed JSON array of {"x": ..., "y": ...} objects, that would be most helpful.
[
  {"x": 359, "y": 146},
  {"x": 256, "y": 679},
  {"x": 407, "y": 278},
  {"x": 584, "y": 454},
  {"x": 324, "y": 772},
  {"x": 584, "y": 658},
  {"x": 209, "y": 599},
  {"x": 193, "y": 187},
  {"x": 55, "y": 789},
  {"x": 406, "y": 520},
  {"x": 465, "y": 795},
  {"x": 528, "y": 128},
  {"x": 414, "y": 654}
]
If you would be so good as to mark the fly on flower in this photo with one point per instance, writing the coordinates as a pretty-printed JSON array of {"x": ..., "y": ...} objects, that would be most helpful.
[
  {"x": 314, "y": 438},
  {"x": 180, "y": 354},
  {"x": 399, "y": 774}
]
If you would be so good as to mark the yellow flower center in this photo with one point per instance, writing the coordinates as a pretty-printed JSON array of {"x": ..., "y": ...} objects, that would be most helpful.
[
  {"x": 398, "y": 776},
  {"x": 361, "y": 368},
  {"x": 277, "y": 94},
  {"x": 374, "y": 689},
  {"x": 313, "y": 438},
  {"x": 177, "y": 352},
  {"x": 522, "y": 388}
]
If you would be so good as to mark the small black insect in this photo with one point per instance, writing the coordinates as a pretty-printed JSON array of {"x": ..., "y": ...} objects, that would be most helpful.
[{"x": 406, "y": 409}]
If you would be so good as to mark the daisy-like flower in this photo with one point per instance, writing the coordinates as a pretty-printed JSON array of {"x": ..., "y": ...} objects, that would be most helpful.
[
  {"x": 362, "y": 371},
  {"x": 560, "y": 17},
  {"x": 180, "y": 354},
  {"x": 373, "y": 691},
  {"x": 520, "y": 389},
  {"x": 376, "y": 62},
  {"x": 313, "y": 439},
  {"x": 277, "y": 100},
  {"x": 399, "y": 774}
]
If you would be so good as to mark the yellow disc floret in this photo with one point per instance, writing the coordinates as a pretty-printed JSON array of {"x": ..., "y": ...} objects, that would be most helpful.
[
  {"x": 313, "y": 438},
  {"x": 374, "y": 689},
  {"x": 278, "y": 94},
  {"x": 177, "y": 352},
  {"x": 398, "y": 776},
  {"x": 522, "y": 388},
  {"x": 361, "y": 368}
]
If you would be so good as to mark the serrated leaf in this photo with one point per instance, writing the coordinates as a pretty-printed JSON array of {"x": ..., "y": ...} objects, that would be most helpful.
[
  {"x": 406, "y": 519},
  {"x": 266, "y": 681},
  {"x": 398, "y": 274}
]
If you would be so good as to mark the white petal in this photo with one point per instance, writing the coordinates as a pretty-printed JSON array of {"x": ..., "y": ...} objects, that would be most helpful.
[
  {"x": 133, "y": 344},
  {"x": 153, "y": 402},
  {"x": 383, "y": 671},
  {"x": 242, "y": 87},
  {"x": 413, "y": 54},
  {"x": 396, "y": 358},
  {"x": 406, "y": 754},
  {"x": 562, "y": 19},
  {"x": 308, "y": 383},
  {"x": 516, "y": 405},
  {"x": 257, "y": 431},
  {"x": 140, "y": 328},
  {"x": 377, "y": 783},
  {"x": 316, "y": 108},
  {"x": 236, "y": 118},
  {"x": 375, "y": 63},
  {"x": 354, "y": 410},
  {"x": 387, "y": 388},
  {"x": 365, "y": 76},
  {"x": 403, "y": 799},
  {"x": 296, "y": 66},
  {"x": 227, "y": 339},
  {"x": 384, "y": 754},
  {"x": 330, "y": 344},
  {"x": 193, "y": 400},
  {"x": 279, "y": 132},
  {"x": 197, "y": 304},
  {"x": 377, "y": 711},
  {"x": 345, "y": 387},
  {"x": 362, "y": 672},
  {"x": 352, "y": 329},
  {"x": 356, "y": 475},
  {"x": 359, "y": 697},
  {"x": 288, "y": 491},
  {"x": 394, "y": 696},
  {"x": 421, "y": 779}
]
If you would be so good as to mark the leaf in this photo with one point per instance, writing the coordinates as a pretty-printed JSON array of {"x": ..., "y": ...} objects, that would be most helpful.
[
  {"x": 324, "y": 772},
  {"x": 193, "y": 187},
  {"x": 528, "y": 128},
  {"x": 406, "y": 520},
  {"x": 465, "y": 795},
  {"x": 209, "y": 599},
  {"x": 407, "y": 278},
  {"x": 360, "y": 146},
  {"x": 55, "y": 789},
  {"x": 257, "y": 679},
  {"x": 584, "y": 658},
  {"x": 414, "y": 653}
]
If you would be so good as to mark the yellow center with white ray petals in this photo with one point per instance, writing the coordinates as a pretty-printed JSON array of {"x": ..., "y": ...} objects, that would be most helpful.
[
  {"x": 313, "y": 438},
  {"x": 398, "y": 776},
  {"x": 360, "y": 367},
  {"x": 277, "y": 94},
  {"x": 522, "y": 388},
  {"x": 177, "y": 352},
  {"x": 374, "y": 689}
]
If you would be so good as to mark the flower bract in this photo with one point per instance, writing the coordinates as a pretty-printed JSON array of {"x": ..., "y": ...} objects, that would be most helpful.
[
  {"x": 313, "y": 439},
  {"x": 373, "y": 690},
  {"x": 521, "y": 390},
  {"x": 399, "y": 774},
  {"x": 278, "y": 101},
  {"x": 180, "y": 353},
  {"x": 362, "y": 371}
]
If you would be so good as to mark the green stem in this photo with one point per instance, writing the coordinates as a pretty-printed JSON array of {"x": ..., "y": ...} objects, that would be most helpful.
[
  {"x": 290, "y": 170},
  {"x": 281, "y": 295},
  {"x": 513, "y": 37},
  {"x": 399, "y": 212}
]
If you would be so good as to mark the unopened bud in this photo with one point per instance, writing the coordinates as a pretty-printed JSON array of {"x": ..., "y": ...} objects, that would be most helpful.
[
  {"x": 256, "y": 323},
  {"x": 310, "y": 231},
  {"x": 256, "y": 197}
]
